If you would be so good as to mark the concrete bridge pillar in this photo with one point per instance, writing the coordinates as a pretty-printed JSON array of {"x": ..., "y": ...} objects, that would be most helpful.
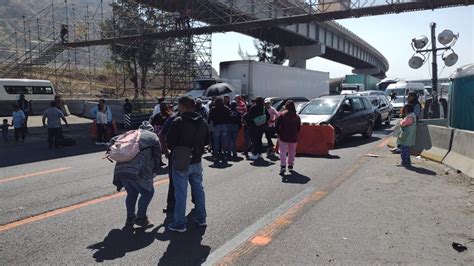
[{"x": 299, "y": 54}]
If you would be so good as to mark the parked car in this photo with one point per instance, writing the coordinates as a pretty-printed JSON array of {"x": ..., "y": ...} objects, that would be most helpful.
[
  {"x": 279, "y": 103},
  {"x": 348, "y": 114},
  {"x": 383, "y": 109},
  {"x": 371, "y": 93}
]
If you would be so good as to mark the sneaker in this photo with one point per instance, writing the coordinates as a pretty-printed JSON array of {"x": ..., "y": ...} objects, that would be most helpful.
[
  {"x": 106, "y": 143},
  {"x": 270, "y": 153},
  {"x": 130, "y": 221},
  {"x": 179, "y": 229},
  {"x": 142, "y": 222},
  {"x": 282, "y": 169},
  {"x": 290, "y": 167},
  {"x": 201, "y": 222},
  {"x": 254, "y": 157}
]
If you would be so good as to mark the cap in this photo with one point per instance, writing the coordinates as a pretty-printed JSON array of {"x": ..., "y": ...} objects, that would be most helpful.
[{"x": 146, "y": 126}]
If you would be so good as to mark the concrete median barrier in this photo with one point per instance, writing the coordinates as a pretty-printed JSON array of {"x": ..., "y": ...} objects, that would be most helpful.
[
  {"x": 461, "y": 155},
  {"x": 437, "y": 143}
]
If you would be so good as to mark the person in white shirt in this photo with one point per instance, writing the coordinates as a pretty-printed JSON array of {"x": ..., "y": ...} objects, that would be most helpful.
[
  {"x": 103, "y": 118},
  {"x": 18, "y": 122}
]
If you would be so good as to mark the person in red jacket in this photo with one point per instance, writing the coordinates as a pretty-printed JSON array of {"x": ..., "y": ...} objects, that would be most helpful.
[{"x": 288, "y": 127}]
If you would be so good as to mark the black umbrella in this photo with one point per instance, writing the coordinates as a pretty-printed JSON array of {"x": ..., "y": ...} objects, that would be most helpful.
[{"x": 218, "y": 90}]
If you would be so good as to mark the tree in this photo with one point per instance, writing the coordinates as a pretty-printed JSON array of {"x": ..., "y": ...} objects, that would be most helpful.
[
  {"x": 266, "y": 52},
  {"x": 138, "y": 56},
  {"x": 270, "y": 53}
]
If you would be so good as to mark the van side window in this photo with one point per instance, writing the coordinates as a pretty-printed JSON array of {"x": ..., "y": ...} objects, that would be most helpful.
[
  {"x": 357, "y": 104},
  {"x": 28, "y": 89}
]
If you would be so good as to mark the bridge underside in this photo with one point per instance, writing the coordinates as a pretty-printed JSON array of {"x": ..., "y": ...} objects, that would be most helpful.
[{"x": 277, "y": 34}]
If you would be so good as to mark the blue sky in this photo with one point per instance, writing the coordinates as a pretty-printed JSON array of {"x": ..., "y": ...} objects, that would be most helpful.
[{"x": 390, "y": 34}]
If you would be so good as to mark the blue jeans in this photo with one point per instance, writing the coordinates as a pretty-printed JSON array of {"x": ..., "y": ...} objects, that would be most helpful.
[
  {"x": 405, "y": 155},
  {"x": 219, "y": 138},
  {"x": 133, "y": 190},
  {"x": 232, "y": 135},
  {"x": 180, "y": 179}
]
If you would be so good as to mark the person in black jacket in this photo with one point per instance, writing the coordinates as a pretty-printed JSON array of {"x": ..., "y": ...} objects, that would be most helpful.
[
  {"x": 220, "y": 118},
  {"x": 233, "y": 129},
  {"x": 188, "y": 129},
  {"x": 257, "y": 121}
]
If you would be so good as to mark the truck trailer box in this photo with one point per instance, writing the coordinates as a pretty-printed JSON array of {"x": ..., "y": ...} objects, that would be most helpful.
[{"x": 270, "y": 80}]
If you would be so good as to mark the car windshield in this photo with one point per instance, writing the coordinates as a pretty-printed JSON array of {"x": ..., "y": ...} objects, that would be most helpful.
[
  {"x": 277, "y": 103},
  {"x": 399, "y": 100},
  {"x": 320, "y": 107},
  {"x": 375, "y": 101},
  {"x": 398, "y": 92}
]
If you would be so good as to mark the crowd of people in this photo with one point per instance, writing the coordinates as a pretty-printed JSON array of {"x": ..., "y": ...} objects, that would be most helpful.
[{"x": 183, "y": 138}]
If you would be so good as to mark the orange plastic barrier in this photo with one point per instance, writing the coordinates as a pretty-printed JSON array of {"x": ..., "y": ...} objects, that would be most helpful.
[
  {"x": 315, "y": 140},
  {"x": 110, "y": 132},
  {"x": 241, "y": 141}
]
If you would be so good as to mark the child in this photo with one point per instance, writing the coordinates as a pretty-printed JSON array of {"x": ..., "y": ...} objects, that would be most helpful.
[
  {"x": 5, "y": 127},
  {"x": 407, "y": 136}
]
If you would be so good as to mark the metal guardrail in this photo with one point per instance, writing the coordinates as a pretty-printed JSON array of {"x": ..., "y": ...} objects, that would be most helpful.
[{"x": 133, "y": 121}]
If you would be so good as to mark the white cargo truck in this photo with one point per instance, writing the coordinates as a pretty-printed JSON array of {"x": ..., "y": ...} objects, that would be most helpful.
[{"x": 269, "y": 80}]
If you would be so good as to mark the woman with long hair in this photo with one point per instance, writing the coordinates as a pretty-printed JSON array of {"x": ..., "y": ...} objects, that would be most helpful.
[
  {"x": 257, "y": 121},
  {"x": 288, "y": 127}
]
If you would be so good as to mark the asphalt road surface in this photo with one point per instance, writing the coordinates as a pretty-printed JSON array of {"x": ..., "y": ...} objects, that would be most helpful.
[{"x": 59, "y": 206}]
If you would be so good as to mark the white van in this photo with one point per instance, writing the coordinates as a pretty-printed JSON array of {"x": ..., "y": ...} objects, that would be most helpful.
[
  {"x": 401, "y": 90},
  {"x": 40, "y": 92}
]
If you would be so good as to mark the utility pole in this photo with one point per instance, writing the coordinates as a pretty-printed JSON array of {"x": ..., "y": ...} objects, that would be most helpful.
[{"x": 434, "y": 79}]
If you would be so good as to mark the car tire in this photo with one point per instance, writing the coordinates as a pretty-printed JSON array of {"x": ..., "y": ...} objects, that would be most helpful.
[
  {"x": 378, "y": 121},
  {"x": 368, "y": 132},
  {"x": 389, "y": 119}
]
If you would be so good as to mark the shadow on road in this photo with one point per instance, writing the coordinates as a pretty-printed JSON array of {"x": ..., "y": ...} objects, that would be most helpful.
[
  {"x": 184, "y": 248},
  {"x": 294, "y": 178},
  {"x": 354, "y": 141},
  {"x": 328, "y": 156},
  {"x": 420, "y": 170},
  {"x": 262, "y": 163},
  {"x": 35, "y": 147},
  {"x": 121, "y": 241}
]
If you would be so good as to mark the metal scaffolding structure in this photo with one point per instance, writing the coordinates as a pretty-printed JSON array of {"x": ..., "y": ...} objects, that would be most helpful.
[
  {"x": 81, "y": 62},
  {"x": 39, "y": 49}
]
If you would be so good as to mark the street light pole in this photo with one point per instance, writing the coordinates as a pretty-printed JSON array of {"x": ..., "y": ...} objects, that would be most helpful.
[{"x": 434, "y": 79}]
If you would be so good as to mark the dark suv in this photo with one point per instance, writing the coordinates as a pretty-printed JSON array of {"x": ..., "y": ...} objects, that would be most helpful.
[{"x": 348, "y": 114}]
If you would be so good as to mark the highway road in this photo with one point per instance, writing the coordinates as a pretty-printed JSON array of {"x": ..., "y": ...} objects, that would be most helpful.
[{"x": 59, "y": 206}]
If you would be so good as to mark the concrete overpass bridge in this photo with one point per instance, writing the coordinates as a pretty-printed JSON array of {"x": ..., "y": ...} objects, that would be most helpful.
[{"x": 303, "y": 41}]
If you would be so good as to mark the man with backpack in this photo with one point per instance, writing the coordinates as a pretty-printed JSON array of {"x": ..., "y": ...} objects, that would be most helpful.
[
  {"x": 187, "y": 138},
  {"x": 138, "y": 155}
]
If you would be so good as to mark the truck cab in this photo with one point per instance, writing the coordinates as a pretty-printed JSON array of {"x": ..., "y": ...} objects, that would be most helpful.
[
  {"x": 200, "y": 85},
  {"x": 351, "y": 88}
]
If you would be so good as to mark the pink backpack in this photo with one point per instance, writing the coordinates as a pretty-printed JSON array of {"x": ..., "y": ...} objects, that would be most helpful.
[{"x": 125, "y": 147}]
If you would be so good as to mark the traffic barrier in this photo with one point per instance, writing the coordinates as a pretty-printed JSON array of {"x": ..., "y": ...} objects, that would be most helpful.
[
  {"x": 111, "y": 131},
  {"x": 461, "y": 155},
  {"x": 438, "y": 143},
  {"x": 240, "y": 141},
  {"x": 133, "y": 121},
  {"x": 315, "y": 140},
  {"x": 76, "y": 107}
]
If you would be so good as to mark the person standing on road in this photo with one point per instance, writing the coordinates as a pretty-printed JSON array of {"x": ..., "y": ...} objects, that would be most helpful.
[
  {"x": 55, "y": 132},
  {"x": 187, "y": 138},
  {"x": 127, "y": 107},
  {"x": 288, "y": 127},
  {"x": 257, "y": 121},
  {"x": 220, "y": 118},
  {"x": 407, "y": 136},
  {"x": 201, "y": 110},
  {"x": 412, "y": 99},
  {"x": 270, "y": 130},
  {"x": 136, "y": 176},
  {"x": 5, "y": 127},
  {"x": 233, "y": 129},
  {"x": 18, "y": 122},
  {"x": 25, "y": 106},
  {"x": 103, "y": 118}
]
